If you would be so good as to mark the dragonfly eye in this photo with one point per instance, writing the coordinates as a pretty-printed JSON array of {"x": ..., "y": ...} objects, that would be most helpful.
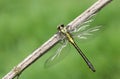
[{"x": 60, "y": 27}]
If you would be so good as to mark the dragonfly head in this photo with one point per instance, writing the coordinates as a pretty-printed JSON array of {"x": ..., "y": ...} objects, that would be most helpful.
[{"x": 62, "y": 29}]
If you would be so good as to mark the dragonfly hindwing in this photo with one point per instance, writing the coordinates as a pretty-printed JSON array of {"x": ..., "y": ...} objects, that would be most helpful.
[{"x": 58, "y": 55}]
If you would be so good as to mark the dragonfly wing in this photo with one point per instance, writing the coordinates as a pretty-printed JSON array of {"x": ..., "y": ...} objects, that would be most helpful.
[
  {"x": 87, "y": 32},
  {"x": 85, "y": 24},
  {"x": 84, "y": 30},
  {"x": 58, "y": 56}
]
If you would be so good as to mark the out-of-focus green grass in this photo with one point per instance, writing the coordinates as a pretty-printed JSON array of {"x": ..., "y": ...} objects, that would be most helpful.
[{"x": 27, "y": 24}]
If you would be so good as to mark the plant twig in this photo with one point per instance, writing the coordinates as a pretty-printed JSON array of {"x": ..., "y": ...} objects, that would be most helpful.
[{"x": 55, "y": 39}]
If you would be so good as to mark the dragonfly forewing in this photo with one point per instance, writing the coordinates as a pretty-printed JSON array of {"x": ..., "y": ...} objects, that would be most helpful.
[
  {"x": 84, "y": 34},
  {"x": 59, "y": 54}
]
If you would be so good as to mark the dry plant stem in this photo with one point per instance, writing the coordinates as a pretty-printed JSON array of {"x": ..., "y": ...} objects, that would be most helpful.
[{"x": 54, "y": 39}]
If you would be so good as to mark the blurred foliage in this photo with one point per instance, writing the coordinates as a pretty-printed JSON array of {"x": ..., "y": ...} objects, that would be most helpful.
[{"x": 27, "y": 24}]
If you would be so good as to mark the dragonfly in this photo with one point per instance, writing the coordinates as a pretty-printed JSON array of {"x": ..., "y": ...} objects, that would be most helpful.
[{"x": 66, "y": 36}]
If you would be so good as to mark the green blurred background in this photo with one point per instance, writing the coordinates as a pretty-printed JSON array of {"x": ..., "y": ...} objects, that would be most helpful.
[{"x": 27, "y": 24}]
